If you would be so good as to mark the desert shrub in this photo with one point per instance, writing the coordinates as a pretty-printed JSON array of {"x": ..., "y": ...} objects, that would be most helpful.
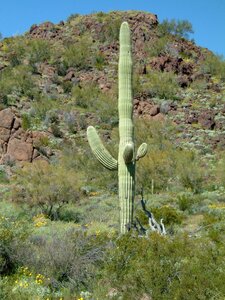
[
  {"x": 15, "y": 83},
  {"x": 72, "y": 17},
  {"x": 185, "y": 201},
  {"x": 218, "y": 172},
  {"x": 158, "y": 47},
  {"x": 85, "y": 96},
  {"x": 3, "y": 176},
  {"x": 16, "y": 51},
  {"x": 26, "y": 121},
  {"x": 66, "y": 85},
  {"x": 180, "y": 28},
  {"x": 110, "y": 29},
  {"x": 199, "y": 85},
  {"x": 69, "y": 214},
  {"x": 214, "y": 65},
  {"x": 78, "y": 55},
  {"x": 159, "y": 163},
  {"x": 70, "y": 120},
  {"x": 99, "y": 60},
  {"x": 103, "y": 103},
  {"x": 70, "y": 259},
  {"x": 52, "y": 117},
  {"x": 13, "y": 232},
  {"x": 189, "y": 170},
  {"x": 56, "y": 131},
  {"x": 41, "y": 105},
  {"x": 46, "y": 186},
  {"x": 38, "y": 51},
  {"x": 161, "y": 84},
  {"x": 160, "y": 267}
]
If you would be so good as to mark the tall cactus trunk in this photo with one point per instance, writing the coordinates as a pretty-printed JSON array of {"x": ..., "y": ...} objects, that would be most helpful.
[
  {"x": 126, "y": 159},
  {"x": 126, "y": 165}
]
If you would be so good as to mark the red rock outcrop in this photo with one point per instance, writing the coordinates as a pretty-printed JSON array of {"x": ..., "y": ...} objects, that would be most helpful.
[{"x": 16, "y": 144}]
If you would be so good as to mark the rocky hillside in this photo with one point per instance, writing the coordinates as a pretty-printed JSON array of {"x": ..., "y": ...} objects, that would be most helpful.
[{"x": 57, "y": 78}]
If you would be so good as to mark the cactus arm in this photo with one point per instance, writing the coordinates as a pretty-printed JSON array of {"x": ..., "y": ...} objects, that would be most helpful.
[
  {"x": 100, "y": 152},
  {"x": 128, "y": 153},
  {"x": 142, "y": 150}
]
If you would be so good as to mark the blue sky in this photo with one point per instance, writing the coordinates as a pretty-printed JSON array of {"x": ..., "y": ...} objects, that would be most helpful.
[{"x": 206, "y": 16}]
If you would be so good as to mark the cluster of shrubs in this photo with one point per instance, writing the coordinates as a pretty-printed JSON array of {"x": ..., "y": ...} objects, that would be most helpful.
[{"x": 66, "y": 262}]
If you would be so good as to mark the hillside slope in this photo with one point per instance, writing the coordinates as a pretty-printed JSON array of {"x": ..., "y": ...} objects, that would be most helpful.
[{"x": 58, "y": 77}]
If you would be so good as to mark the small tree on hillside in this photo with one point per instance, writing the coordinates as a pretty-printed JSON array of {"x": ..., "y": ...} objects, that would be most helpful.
[{"x": 180, "y": 28}]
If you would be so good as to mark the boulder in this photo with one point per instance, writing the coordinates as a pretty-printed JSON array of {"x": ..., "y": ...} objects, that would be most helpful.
[
  {"x": 19, "y": 150},
  {"x": 4, "y": 134},
  {"x": 206, "y": 119},
  {"x": 154, "y": 110},
  {"x": 6, "y": 118}
]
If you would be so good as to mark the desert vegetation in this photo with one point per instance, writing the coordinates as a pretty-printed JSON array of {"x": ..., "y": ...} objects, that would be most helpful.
[{"x": 59, "y": 210}]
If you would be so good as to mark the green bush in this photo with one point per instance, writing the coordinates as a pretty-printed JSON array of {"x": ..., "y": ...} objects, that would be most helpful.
[
  {"x": 16, "y": 51},
  {"x": 47, "y": 187},
  {"x": 41, "y": 106},
  {"x": 13, "y": 232},
  {"x": 158, "y": 47},
  {"x": 189, "y": 171},
  {"x": 85, "y": 96},
  {"x": 78, "y": 55},
  {"x": 26, "y": 121},
  {"x": 214, "y": 65},
  {"x": 180, "y": 28},
  {"x": 159, "y": 268},
  {"x": 110, "y": 29},
  {"x": 39, "y": 51},
  {"x": 70, "y": 259},
  {"x": 161, "y": 84},
  {"x": 159, "y": 163},
  {"x": 15, "y": 83}
]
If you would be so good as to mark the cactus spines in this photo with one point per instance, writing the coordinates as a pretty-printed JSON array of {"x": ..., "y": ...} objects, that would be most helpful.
[{"x": 126, "y": 158}]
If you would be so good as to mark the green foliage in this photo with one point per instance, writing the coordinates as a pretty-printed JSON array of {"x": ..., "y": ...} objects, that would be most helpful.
[
  {"x": 26, "y": 121},
  {"x": 72, "y": 17},
  {"x": 15, "y": 83},
  {"x": 161, "y": 84},
  {"x": 160, "y": 268},
  {"x": 180, "y": 28},
  {"x": 158, "y": 165},
  {"x": 16, "y": 51},
  {"x": 85, "y": 96},
  {"x": 46, "y": 186},
  {"x": 99, "y": 60},
  {"x": 12, "y": 231},
  {"x": 39, "y": 51},
  {"x": 41, "y": 105},
  {"x": 110, "y": 30},
  {"x": 69, "y": 259},
  {"x": 158, "y": 47},
  {"x": 214, "y": 65},
  {"x": 78, "y": 54},
  {"x": 3, "y": 176},
  {"x": 185, "y": 201},
  {"x": 189, "y": 171}
]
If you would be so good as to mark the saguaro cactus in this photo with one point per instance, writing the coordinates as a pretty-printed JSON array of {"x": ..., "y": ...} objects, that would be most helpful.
[{"x": 126, "y": 158}]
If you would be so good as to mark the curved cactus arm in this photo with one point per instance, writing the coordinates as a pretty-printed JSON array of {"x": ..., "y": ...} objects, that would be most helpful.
[
  {"x": 142, "y": 150},
  {"x": 100, "y": 152},
  {"x": 128, "y": 153}
]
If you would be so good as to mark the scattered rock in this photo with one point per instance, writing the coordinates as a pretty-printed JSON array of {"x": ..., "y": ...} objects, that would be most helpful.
[
  {"x": 206, "y": 119},
  {"x": 6, "y": 118},
  {"x": 19, "y": 150}
]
